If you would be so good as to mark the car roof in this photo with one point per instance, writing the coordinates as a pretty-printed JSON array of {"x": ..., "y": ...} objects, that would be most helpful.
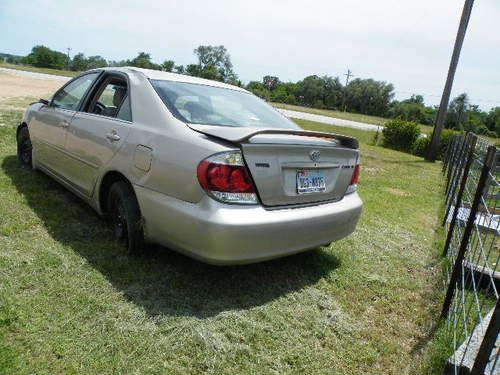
[{"x": 167, "y": 76}]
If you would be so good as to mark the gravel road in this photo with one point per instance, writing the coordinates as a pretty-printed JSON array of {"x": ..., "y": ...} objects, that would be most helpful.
[
  {"x": 22, "y": 73},
  {"x": 16, "y": 84}
]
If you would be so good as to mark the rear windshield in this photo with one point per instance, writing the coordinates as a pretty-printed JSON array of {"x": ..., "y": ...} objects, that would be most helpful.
[{"x": 208, "y": 105}]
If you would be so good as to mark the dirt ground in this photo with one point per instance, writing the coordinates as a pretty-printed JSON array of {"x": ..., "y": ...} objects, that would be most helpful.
[{"x": 12, "y": 86}]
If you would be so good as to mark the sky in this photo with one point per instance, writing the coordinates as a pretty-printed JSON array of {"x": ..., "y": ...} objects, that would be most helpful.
[{"x": 405, "y": 42}]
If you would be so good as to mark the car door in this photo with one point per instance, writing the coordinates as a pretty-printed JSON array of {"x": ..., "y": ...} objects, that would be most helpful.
[
  {"x": 98, "y": 131},
  {"x": 49, "y": 124}
]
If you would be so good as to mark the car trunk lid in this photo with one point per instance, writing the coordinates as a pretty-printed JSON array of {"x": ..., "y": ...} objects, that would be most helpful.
[{"x": 293, "y": 167}]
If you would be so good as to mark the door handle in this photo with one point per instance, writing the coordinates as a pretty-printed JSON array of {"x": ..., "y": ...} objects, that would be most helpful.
[
  {"x": 113, "y": 137},
  {"x": 64, "y": 124}
]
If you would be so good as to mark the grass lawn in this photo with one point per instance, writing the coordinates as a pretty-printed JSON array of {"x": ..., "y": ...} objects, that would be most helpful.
[
  {"x": 56, "y": 72},
  {"x": 71, "y": 302}
]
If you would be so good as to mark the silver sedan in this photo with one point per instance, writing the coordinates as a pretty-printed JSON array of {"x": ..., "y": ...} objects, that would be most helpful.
[{"x": 202, "y": 167}]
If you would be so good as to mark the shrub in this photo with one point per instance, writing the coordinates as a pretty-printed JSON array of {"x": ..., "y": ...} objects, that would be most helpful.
[
  {"x": 421, "y": 145},
  {"x": 400, "y": 135}
]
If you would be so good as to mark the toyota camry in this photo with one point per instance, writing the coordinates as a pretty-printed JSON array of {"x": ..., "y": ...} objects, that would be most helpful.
[{"x": 199, "y": 166}]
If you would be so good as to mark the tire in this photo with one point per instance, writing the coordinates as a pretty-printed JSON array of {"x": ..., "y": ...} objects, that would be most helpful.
[
  {"x": 125, "y": 216},
  {"x": 24, "y": 148}
]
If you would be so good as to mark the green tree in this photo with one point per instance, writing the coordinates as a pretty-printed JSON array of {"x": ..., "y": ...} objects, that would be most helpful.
[
  {"x": 195, "y": 70},
  {"x": 369, "y": 97},
  {"x": 168, "y": 65},
  {"x": 311, "y": 91},
  {"x": 259, "y": 89},
  {"x": 413, "y": 109},
  {"x": 214, "y": 63},
  {"x": 180, "y": 69},
  {"x": 333, "y": 92},
  {"x": 475, "y": 120},
  {"x": 457, "y": 113},
  {"x": 492, "y": 120},
  {"x": 11, "y": 59},
  {"x": 94, "y": 62},
  {"x": 321, "y": 92},
  {"x": 79, "y": 62},
  {"x": 415, "y": 99},
  {"x": 462, "y": 115},
  {"x": 270, "y": 82},
  {"x": 44, "y": 57},
  {"x": 143, "y": 60},
  {"x": 284, "y": 93}
]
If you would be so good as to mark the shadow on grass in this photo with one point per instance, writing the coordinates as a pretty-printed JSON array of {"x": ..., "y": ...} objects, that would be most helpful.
[{"x": 162, "y": 282}]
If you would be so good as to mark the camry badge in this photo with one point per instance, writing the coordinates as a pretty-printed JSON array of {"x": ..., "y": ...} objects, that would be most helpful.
[{"x": 314, "y": 155}]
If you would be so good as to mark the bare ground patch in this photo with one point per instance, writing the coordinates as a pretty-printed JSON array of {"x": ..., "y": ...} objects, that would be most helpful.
[{"x": 13, "y": 86}]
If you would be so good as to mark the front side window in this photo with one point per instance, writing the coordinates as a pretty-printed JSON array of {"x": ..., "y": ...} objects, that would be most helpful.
[
  {"x": 208, "y": 105},
  {"x": 70, "y": 96}
]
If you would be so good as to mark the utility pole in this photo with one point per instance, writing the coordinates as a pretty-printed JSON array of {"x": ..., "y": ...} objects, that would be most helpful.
[
  {"x": 67, "y": 65},
  {"x": 348, "y": 75},
  {"x": 443, "y": 106}
]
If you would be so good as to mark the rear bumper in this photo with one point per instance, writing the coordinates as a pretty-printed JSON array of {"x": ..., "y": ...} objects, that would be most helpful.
[{"x": 231, "y": 234}]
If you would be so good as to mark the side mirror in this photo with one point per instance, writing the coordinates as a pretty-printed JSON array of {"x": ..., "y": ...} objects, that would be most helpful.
[{"x": 44, "y": 101}]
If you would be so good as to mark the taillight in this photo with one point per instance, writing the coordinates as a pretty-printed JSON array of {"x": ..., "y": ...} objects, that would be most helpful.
[
  {"x": 355, "y": 175},
  {"x": 353, "y": 185},
  {"x": 226, "y": 178}
]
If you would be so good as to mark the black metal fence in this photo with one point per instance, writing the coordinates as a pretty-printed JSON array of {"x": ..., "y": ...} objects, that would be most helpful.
[{"x": 472, "y": 221}]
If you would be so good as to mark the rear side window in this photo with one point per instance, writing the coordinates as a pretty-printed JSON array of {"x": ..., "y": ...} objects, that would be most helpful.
[
  {"x": 111, "y": 99},
  {"x": 71, "y": 95},
  {"x": 124, "y": 112}
]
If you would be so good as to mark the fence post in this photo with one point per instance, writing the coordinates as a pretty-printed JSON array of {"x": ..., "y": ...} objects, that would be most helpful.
[
  {"x": 454, "y": 166},
  {"x": 457, "y": 267},
  {"x": 488, "y": 343},
  {"x": 449, "y": 152},
  {"x": 447, "y": 155},
  {"x": 460, "y": 194}
]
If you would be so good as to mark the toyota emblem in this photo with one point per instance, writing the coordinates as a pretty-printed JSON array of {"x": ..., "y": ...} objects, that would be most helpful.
[{"x": 314, "y": 155}]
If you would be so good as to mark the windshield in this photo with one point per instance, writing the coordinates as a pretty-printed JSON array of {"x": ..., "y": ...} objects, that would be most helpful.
[{"x": 208, "y": 105}]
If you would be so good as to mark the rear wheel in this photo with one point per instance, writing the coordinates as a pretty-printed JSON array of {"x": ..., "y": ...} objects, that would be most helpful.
[
  {"x": 24, "y": 148},
  {"x": 125, "y": 215}
]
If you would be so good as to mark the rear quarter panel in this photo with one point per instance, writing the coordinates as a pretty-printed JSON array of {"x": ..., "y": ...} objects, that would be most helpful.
[{"x": 175, "y": 152}]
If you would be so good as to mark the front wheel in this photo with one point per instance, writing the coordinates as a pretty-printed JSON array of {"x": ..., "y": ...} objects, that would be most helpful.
[
  {"x": 24, "y": 148},
  {"x": 125, "y": 215}
]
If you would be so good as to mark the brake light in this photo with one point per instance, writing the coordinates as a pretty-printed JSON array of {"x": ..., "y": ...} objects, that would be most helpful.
[
  {"x": 355, "y": 175},
  {"x": 353, "y": 185},
  {"x": 226, "y": 178}
]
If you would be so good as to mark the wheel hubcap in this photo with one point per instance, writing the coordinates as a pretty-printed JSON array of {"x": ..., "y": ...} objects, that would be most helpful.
[
  {"x": 26, "y": 151},
  {"x": 120, "y": 224}
]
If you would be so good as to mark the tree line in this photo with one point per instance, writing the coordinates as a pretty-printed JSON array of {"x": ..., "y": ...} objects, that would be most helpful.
[
  {"x": 376, "y": 98},
  {"x": 365, "y": 96},
  {"x": 214, "y": 62}
]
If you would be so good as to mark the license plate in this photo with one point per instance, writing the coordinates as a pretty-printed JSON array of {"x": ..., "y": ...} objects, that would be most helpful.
[{"x": 310, "y": 181}]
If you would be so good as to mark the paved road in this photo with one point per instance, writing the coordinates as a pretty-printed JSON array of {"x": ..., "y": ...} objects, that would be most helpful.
[
  {"x": 35, "y": 75},
  {"x": 329, "y": 120}
]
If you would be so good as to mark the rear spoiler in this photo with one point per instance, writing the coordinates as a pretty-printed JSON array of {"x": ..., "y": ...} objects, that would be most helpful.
[{"x": 244, "y": 134}]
